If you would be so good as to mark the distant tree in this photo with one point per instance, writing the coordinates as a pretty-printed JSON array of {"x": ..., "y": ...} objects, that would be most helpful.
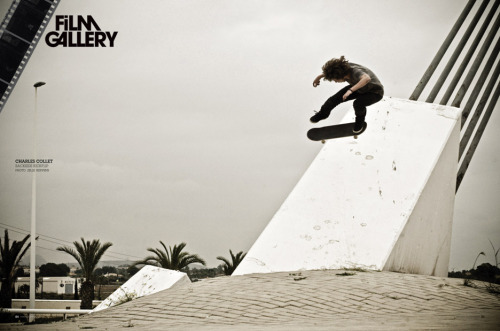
[
  {"x": 20, "y": 273},
  {"x": 122, "y": 271},
  {"x": 132, "y": 270},
  {"x": 109, "y": 270},
  {"x": 54, "y": 270},
  {"x": 100, "y": 280},
  {"x": 486, "y": 272},
  {"x": 23, "y": 291},
  {"x": 171, "y": 258},
  {"x": 98, "y": 272},
  {"x": 230, "y": 266},
  {"x": 195, "y": 274},
  {"x": 87, "y": 254},
  {"x": 10, "y": 256}
]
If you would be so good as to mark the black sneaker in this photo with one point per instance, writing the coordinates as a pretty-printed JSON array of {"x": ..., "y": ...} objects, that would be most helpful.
[
  {"x": 319, "y": 116},
  {"x": 358, "y": 127}
]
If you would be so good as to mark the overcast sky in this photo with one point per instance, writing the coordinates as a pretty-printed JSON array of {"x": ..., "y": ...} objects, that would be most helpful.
[{"x": 192, "y": 127}]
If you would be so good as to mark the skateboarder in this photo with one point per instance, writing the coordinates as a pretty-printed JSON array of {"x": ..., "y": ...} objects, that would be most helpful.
[{"x": 364, "y": 88}]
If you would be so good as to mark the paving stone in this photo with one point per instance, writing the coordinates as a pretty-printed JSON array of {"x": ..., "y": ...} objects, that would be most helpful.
[{"x": 305, "y": 300}]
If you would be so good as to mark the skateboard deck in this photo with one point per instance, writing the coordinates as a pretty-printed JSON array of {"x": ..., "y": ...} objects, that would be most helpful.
[{"x": 334, "y": 131}]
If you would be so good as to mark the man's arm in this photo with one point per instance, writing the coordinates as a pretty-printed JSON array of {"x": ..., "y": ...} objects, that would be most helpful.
[
  {"x": 317, "y": 80},
  {"x": 365, "y": 79}
]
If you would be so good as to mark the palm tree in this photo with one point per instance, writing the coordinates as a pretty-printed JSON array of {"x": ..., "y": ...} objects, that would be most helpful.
[
  {"x": 11, "y": 255},
  {"x": 87, "y": 254},
  {"x": 229, "y": 267},
  {"x": 171, "y": 258}
]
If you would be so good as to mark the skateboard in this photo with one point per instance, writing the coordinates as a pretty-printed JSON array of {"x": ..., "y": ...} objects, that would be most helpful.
[{"x": 334, "y": 131}]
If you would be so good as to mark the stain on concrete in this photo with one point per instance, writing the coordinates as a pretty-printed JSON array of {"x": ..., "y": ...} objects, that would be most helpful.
[
  {"x": 256, "y": 261},
  {"x": 306, "y": 237}
]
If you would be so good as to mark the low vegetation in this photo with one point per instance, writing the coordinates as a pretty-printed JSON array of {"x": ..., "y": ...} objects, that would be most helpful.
[{"x": 485, "y": 272}]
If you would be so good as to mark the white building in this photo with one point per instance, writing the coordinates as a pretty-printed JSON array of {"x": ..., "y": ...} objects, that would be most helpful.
[{"x": 58, "y": 285}]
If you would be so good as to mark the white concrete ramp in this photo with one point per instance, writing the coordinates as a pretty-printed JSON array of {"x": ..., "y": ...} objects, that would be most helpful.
[
  {"x": 146, "y": 281},
  {"x": 383, "y": 201}
]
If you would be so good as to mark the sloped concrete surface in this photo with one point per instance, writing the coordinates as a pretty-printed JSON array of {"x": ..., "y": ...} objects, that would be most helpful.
[
  {"x": 307, "y": 300},
  {"x": 383, "y": 201},
  {"x": 148, "y": 280}
]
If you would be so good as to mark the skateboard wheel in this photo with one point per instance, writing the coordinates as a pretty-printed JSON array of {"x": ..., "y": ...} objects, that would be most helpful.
[{"x": 322, "y": 141}]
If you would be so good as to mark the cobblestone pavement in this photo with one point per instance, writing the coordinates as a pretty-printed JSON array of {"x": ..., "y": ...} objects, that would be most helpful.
[{"x": 307, "y": 300}]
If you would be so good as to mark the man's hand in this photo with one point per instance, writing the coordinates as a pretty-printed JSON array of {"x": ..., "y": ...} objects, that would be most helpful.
[
  {"x": 317, "y": 80},
  {"x": 347, "y": 94}
]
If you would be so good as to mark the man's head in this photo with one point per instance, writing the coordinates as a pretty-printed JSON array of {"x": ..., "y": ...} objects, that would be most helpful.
[{"x": 336, "y": 69}]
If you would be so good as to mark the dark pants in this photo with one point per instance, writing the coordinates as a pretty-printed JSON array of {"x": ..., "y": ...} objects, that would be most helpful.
[{"x": 361, "y": 101}]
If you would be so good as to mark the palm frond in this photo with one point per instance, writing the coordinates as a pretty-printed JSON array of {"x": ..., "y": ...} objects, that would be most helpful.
[
  {"x": 172, "y": 258},
  {"x": 223, "y": 259},
  {"x": 228, "y": 266},
  {"x": 87, "y": 254},
  {"x": 11, "y": 255}
]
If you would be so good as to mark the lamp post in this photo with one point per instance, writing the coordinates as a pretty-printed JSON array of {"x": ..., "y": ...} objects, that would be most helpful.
[{"x": 33, "y": 213}]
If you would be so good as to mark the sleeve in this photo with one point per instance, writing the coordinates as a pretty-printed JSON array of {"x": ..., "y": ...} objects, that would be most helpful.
[{"x": 356, "y": 74}]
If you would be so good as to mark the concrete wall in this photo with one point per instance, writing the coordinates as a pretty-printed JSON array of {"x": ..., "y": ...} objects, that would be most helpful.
[
  {"x": 382, "y": 201},
  {"x": 423, "y": 247},
  {"x": 50, "y": 304}
]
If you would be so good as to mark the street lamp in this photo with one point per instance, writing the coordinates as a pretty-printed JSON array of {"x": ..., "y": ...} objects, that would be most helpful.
[{"x": 33, "y": 213}]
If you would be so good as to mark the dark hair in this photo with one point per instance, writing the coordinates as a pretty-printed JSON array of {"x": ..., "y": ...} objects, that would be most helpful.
[{"x": 336, "y": 68}]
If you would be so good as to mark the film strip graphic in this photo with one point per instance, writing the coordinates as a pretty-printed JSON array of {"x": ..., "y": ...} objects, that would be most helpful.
[{"x": 21, "y": 29}]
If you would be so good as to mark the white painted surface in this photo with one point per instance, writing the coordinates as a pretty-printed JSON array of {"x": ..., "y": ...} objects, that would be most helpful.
[
  {"x": 146, "y": 281},
  {"x": 385, "y": 198},
  {"x": 423, "y": 247}
]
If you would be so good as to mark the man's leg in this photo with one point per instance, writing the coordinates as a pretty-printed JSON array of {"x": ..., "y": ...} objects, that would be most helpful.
[
  {"x": 331, "y": 103},
  {"x": 360, "y": 104}
]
